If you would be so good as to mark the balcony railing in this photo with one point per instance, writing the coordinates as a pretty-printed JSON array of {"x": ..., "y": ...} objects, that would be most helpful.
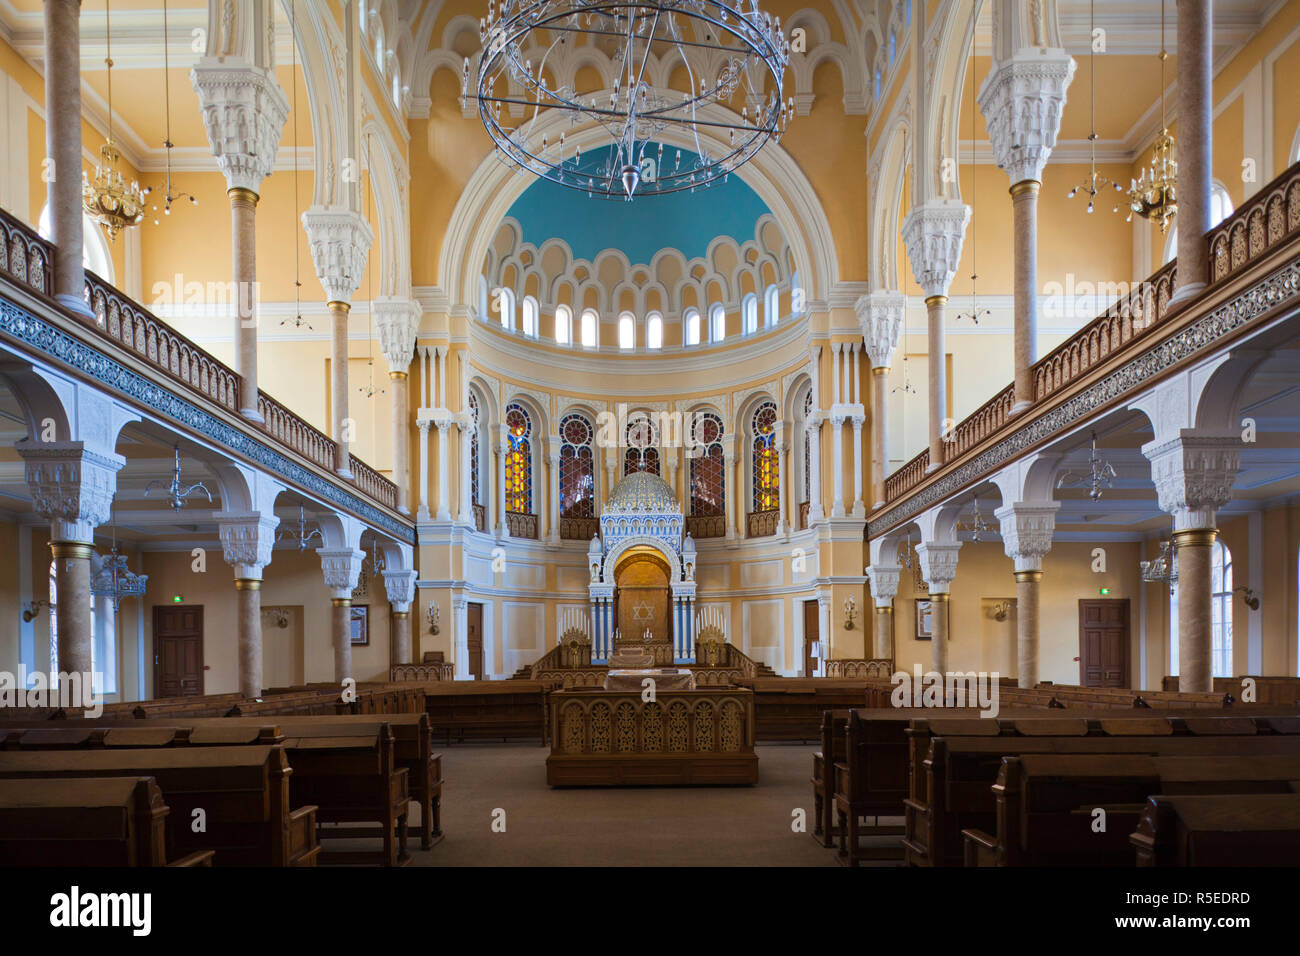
[
  {"x": 1269, "y": 219},
  {"x": 521, "y": 525},
  {"x": 480, "y": 517},
  {"x": 579, "y": 529},
  {"x": 706, "y": 526},
  {"x": 28, "y": 260},
  {"x": 803, "y": 515},
  {"x": 762, "y": 524}
]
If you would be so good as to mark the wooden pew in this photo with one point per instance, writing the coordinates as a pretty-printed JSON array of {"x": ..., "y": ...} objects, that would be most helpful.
[
  {"x": 871, "y": 782},
  {"x": 953, "y": 794},
  {"x": 791, "y": 708},
  {"x": 130, "y": 733},
  {"x": 1219, "y": 830},
  {"x": 823, "y": 775},
  {"x": 352, "y": 778},
  {"x": 478, "y": 710},
  {"x": 95, "y": 821},
  {"x": 242, "y": 791}
]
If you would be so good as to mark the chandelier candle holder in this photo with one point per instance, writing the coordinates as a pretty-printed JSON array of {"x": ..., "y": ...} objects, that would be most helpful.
[
  {"x": 732, "y": 51},
  {"x": 107, "y": 199},
  {"x": 1163, "y": 567},
  {"x": 1100, "y": 475},
  {"x": 177, "y": 492},
  {"x": 302, "y": 535},
  {"x": 1154, "y": 194}
]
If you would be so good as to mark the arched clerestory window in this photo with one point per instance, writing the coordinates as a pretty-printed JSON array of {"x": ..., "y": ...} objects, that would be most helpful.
[
  {"x": 563, "y": 325},
  {"x": 691, "y": 327},
  {"x": 577, "y": 470},
  {"x": 708, "y": 471},
  {"x": 654, "y": 331},
  {"x": 717, "y": 323},
  {"x": 766, "y": 458},
  {"x": 519, "y": 460},
  {"x": 590, "y": 329},
  {"x": 626, "y": 331},
  {"x": 749, "y": 313},
  {"x": 530, "y": 317},
  {"x": 475, "y": 463}
]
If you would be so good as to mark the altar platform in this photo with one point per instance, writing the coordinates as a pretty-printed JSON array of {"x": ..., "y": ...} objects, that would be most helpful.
[{"x": 613, "y": 738}]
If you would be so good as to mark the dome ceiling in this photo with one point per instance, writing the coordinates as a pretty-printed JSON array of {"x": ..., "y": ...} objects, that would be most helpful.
[{"x": 684, "y": 221}]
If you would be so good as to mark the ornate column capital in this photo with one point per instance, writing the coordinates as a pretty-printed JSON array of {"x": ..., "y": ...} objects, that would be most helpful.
[
  {"x": 884, "y": 584},
  {"x": 1193, "y": 475},
  {"x": 1022, "y": 100},
  {"x": 400, "y": 586},
  {"x": 396, "y": 322},
  {"x": 938, "y": 564},
  {"x": 881, "y": 316},
  {"x": 1027, "y": 532},
  {"x": 341, "y": 568},
  {"x": 71, "y": 486},
  {"x": 247, "y": 540},
  {"x": 340, "y": 242},
  {"x": 934, "y": 232},
  {"x": 244, "y": 111}
]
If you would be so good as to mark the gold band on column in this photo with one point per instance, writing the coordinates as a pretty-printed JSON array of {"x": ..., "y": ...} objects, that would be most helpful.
[
  {"x": 1025, "y": 186},
  {"x": 1028, "y": 577},
  {"x": 1193, "y": 537},
  {"x": 935, "y": 300},
  {"x": 884, "y": 610},
  {"x": 247, "y": 584},
  {"x": 341, "y": 602},
  {"x": 880, "y": 370},
  {"x": 242, "y": 194},
  {"x": 71, "y": 549},
  {"x": 396, "y": 375},
  {"x": 334, "y": 304},
  {"x": 940, "y": 597},
  {"x": 401, "y": 615}
]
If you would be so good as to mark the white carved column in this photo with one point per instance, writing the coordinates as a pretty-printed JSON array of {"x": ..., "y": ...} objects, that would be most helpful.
[
  {"x": 884, "y": 588},
  {"x": 502, "y": 448},
  {"x": 1193, "y": 475},
  {"x": 422, "y": 512},
  {"x": 1195, "y": 146},
  {"x": 732, "y": 489},
  {"x": 934, "y": 233},
  {"x": 341, "y": 568},
  {"x": 1027, "y": 537},
  {"x": 859, "y": 509},
  {"x": 340, "y": 243},
  {"x": 782, "y": 482},
  {"x": 244, "y": 111},
  {"x": 814, "y": 426},
  {"x": 72, "y": 487},
  {"x": 837, "y": 461},
  {"x": 396, "y": 323},
  {"x": 824, "y": 628},
  {"x": 938, "y": 568},
  {"x": 460, "y": 605},
  {"x": 553, "y": 459},
  {"x": 400, "y": 587},
  {"x": 881, "y": 315},
  {"x": 464, "y": 426},
  {"x": 444, "y": 468},
  {"x": 247, "y": 540},
  {"x": 1022, "y": 99}
]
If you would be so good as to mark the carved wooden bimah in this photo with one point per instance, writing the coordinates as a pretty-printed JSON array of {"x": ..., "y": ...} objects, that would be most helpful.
[
  {"x": 665, "y": 678},
  {"x": 606, "y": 738}
]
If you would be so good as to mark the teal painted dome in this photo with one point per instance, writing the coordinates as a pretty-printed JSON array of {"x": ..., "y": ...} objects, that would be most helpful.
[{"x": 642, "y": 493}]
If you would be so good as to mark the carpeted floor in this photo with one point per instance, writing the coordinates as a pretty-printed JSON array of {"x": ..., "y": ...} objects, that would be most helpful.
[{"x": 698, "y": 826}]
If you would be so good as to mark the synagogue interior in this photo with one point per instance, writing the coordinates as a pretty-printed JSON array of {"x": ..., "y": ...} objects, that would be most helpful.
[{"x": 404, "y": 415}]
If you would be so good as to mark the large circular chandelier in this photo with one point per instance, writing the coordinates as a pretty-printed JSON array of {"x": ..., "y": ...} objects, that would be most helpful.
[{"x": 734, "y": 55}]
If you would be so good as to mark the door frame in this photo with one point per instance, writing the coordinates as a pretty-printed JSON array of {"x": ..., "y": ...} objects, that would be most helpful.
[
  {"x": 157, "y": 656},
  {"x": 1127, "y": 653},
  {"x": 481, "y": 648},
  {"x": 804, "y": 628}
]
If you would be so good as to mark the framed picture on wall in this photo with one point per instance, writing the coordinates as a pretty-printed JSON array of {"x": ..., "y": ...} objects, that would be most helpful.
[
  {"x": 360, "y": 624},
  {"x": 924, "y": 620}
]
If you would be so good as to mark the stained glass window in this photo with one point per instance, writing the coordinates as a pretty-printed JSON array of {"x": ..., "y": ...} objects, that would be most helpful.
[
  {"x": 767, "y": 461},
  {"x": 577, "y": 474},
  {"x": 519, "y": 460},
  {"x": 475, "y": 491},
  {"x": 708, "y": 469},
  {"x": 642, "y": 445}
]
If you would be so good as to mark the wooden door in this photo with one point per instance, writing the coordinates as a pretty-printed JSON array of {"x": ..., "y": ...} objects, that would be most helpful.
[
  {"x": 1104, "y": 643},
  {"x": 811, "y": 634},
  {"x": 178, "y": 650},
  {"x": 474, "y": 640}
]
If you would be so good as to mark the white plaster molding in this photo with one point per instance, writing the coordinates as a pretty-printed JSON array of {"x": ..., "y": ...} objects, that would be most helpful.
[
  {"x": 934, "y": 233},
  {"x": 882, "y": 316},
  {"x": 244, "y": 111},
  {"x": 1022, "y": 100},
  {"x": 340, "y": 243}
]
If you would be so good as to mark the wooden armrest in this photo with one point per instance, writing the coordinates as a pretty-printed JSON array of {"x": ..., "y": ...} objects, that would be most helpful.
[
  {"x": 197, "y": 858},
  {"x": 307, "y": 810},
  {"x": 981, "y": 839}
]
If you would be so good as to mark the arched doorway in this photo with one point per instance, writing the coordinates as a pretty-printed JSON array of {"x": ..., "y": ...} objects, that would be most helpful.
[{"x": 642, "y": 599}]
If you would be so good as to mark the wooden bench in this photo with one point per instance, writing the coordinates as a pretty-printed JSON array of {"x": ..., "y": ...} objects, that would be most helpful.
[
  {"x": 823, "y": 775},
  {"x": 352, "y": 778},
  {"x": 242, "y": 791},
  {"x": 130, "y": 733},
  {"x": 791, "y": 708},
  {"x": 1219, "y": 830},
  {"x": 478, "y": 710},
  {"x": 1047, "y": 803},
  {"x": 94, "y": 821}
]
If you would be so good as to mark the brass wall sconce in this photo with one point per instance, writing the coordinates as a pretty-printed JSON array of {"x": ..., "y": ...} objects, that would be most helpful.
[
  {"x": 850, "y": 612},
  {"x": 432, "y": 616},
  {"x": 33, "y": 610},
  {"x": 1249, "y": 596},
  {"x": 280, "y": 615},
  {"x": 1000, "y": 610}
]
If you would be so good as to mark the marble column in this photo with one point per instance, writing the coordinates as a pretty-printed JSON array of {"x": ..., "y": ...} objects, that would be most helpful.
[
  {"x": 884, "y": 588},
  {"x": 247, "y": 544},
  {"x": 444, "y": 468},
  {"x": 1027, "y": 529},
  {"x": 1195, "y": 148},
  {"x": 934, "y": 232},
  {"x": 1022, "y": 99},
  {"x": 399, "y": 384},
  {"x": 400, "y": 588},
  {"x": 63, "y": 148},
  {"x": 1193, "y": 474},
  {"x": 72, "y": 486},
  {"x": 244, "y": 111},
  {"x": 938, "y": 568},
  {"x": 397, "y": 322},
  {"x": 342, "y": 425},
  {"x": 881, "y": 315},
  {"x": 341, "y": 568}
]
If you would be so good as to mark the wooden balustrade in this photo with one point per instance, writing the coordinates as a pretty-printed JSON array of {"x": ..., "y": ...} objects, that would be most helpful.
[
  {"x": 521, "y": 525},
  {"x": 579, "y": 529},
  {"x": 803, "y": 515},
  {"x": 706, "y": 526},
  {"x": 480, "y": 517},
  {"x": 860, "y": 668},
  {"x": 1266, "y": 221},
  {"x": 28, "y": 260},
  {"x": 761, "y": 524}
]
